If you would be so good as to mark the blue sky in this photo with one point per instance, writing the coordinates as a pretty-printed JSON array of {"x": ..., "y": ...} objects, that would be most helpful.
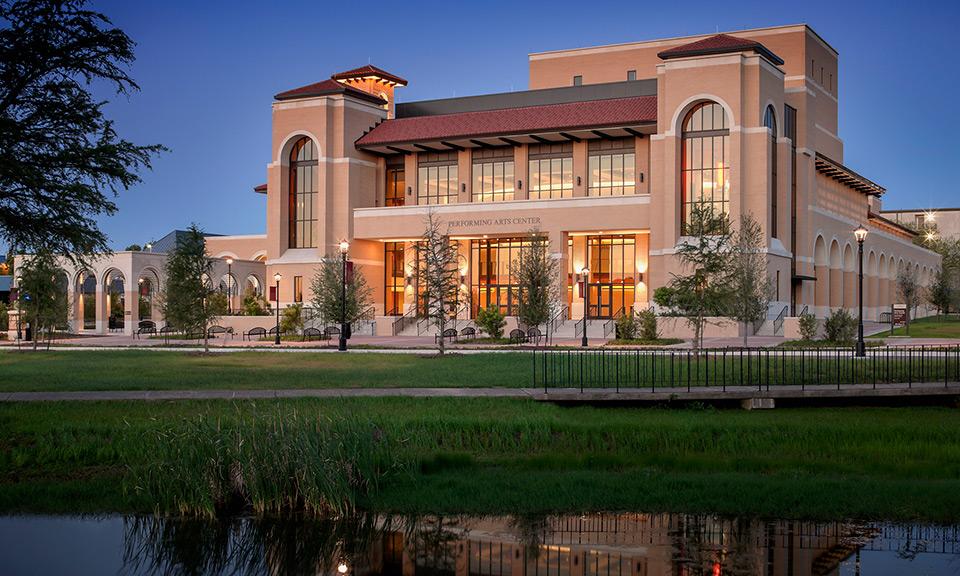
[{"x": 208, "y": 71}]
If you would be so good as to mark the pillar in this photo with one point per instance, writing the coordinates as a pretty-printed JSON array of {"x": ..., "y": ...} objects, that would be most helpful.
[
  {"x": 131, "y": 314},
  {"x": 558, "y": 251},
  {"x": 821, "y": 301},
  {"x": 100, "y": 316},
  {"x": 836, "y": 289}
]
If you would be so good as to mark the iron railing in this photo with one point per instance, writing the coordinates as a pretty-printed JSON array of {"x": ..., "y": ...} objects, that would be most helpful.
[
  {"x": 580, "y": 326},
  {"x": 401, "y": 323},
  {"x": 610, "y": 326},
  {"x": 761, "y": 368},
  {"x": 778, "y": 322},
  {"x": 557, "y": 321}
]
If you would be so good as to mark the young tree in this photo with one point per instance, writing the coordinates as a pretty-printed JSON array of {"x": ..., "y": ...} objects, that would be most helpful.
[
  {"x": 43, "y": 301},
  {"x": 327, "y": 288},
  {"x": 536, "y": 272},
  {"x": 909, "y": 291},
  {"x": 438, "y": 259},
  {"x": 62, "y": 159},
  {"x": 706, "y": 289},
  {"x": 942, "y": 292},
  {"x": 748, "y": 274},
  {"x": 186, "y": 299}
]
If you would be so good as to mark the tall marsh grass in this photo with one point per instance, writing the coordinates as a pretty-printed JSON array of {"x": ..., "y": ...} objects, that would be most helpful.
[{"x": 285, "y": 461}]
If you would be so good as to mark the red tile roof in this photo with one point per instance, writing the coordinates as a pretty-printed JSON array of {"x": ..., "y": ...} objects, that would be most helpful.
[
  {"x": 552, "y": 117},
  {"x": 261, "y": 189},
  {"x": 326, "y": 88},
  {"x": 369, "y": 70},
  {"x": 719, "y": 44}
]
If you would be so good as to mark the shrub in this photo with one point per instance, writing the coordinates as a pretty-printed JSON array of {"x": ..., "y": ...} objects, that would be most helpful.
[
  {"x": 254, "y": 304},
  {"x": 627, "y": 326},
  {"x": 664, "y": 296},
  {"x": 217, "y": 303},
  {"x": 491, "y": 320},
  {"x": 647, "y": 321},
  {"x": 808, "y": 326},
  {"x": 4, "y": 318},
  {"x": 840, "y": 327},
  {"x": 292, "y": 318}
]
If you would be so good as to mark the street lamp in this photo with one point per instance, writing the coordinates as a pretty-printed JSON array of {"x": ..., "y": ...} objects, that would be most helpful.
[
  {"x": 344, "y": 248},
  {"x": 277, "y": 278},
  {"x": 861, "y": 234},
  {"x": 585, "y": 278},
  {"x": 229, "y": 285}
]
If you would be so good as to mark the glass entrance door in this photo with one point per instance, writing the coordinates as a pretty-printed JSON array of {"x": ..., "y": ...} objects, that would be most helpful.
[{"x": 612, "y": 274}]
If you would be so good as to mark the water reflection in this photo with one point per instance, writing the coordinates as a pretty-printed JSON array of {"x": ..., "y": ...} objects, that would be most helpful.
[{"x": 589, "y": 545}]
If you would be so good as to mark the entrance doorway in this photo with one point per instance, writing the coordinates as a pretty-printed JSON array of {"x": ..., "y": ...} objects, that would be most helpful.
[{"x": 612, "y": 263}]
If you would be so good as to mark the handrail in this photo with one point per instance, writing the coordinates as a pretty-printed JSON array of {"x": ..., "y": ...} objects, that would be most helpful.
[
  {"x": 803, "y": 312},
  {"x": 778, "y": 321},
  {"x": 610, "y": 326},
  {"x": 580, "y": 326},
  {"x": 401, "y": 323},
  {"x": 556, "y": 321}
]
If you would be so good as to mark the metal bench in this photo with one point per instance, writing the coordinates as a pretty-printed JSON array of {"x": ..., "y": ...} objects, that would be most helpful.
[
  {"x": 468, "y": 332},
  {"x": 517, "y": 336},
  {"x": 448, "y": 333},
  {"x": 145, "y": 327},
  {"x": 534, "y": 335},
  {"x": 215, "y": 330},
  {"x": 252, "y": 333},
  {"x": 313, "y": 334},
  {"x": 330, "y": 331}
]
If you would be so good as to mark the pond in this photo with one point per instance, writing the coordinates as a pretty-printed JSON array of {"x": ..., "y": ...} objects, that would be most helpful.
[{"x": 621, "y": 544}]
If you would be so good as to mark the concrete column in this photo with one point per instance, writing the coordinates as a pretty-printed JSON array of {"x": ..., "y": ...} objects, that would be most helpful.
[
  {"x": 558, "y": 250},
  {"x": 821, "y": 301},
  {"x": 131, "y": 315},
  {"x": 520, "y": 173},
  {"x": 99, "y": 299},
  {"x": 580, "y": 169},
  {"x": 850, "y": 289},
  {"x": 836, "y": 288},
  {"x": 580, "y": 258}
]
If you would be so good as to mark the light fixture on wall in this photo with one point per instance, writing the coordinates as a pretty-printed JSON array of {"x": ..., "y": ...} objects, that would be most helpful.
[
  {"x": 641, "y": 177},
  {"x": 578, "y": 180},
  {"x": 409, "y": 190},
  {"x": 643, "y": 277},
  {"x": 463, "y": 186},
  {"x": 519, "y": 184}
]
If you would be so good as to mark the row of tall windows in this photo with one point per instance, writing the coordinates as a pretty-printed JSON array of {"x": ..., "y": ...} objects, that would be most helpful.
[
  {"x": 493, "y": 178},
  {"x": 438, "y": 178},
  {"x": 550, "y": 171},
  {"x": 705, "y": 162},
  {"x": 612, "y": 168},
  {"x": 303, "y": 194}
]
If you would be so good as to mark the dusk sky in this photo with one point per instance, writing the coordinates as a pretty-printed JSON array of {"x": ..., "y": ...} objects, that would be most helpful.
[{"x": 208, "y": 72}]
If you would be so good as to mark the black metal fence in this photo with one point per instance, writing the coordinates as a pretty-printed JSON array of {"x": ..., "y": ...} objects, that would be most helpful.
[{"x": 762, "y": 368}]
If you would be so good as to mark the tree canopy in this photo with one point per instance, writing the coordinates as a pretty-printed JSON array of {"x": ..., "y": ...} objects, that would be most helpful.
[{"x": 61, "y": 160}]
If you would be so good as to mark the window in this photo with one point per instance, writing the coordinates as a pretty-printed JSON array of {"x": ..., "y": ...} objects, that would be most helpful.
[
  {"x": 493, "y": 264},
  {"x": 612, "y": 261},
  {"x": 612, "y": 166},
  {"x": 578, "y": 80},
  {"x": 493, "y": 174},
  {"x": 438, "y": 178},
  {"x": 396, "y": 183},
  {"x": 704, "y": 165},
  {"x": 298, "y": 288},
  {"x": 394, "y": 278},
  {"x": 302, "y": 194},
  {"x": 551, "y": 171},
  {"x": 770, "y": 121},
  {"x": 631, "y": 75},
  {"x": 790, "y": 131}
]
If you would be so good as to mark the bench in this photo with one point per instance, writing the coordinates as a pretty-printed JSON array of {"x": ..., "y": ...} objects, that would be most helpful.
[
  {"x": 216, "y": 329},
  {"x": 517, "y": 336},
  {"x": 448, "y": 333},
  {"x": 252, "y": 333},
  {"x": 468, "y": 332},
  {"x": 313, "y": 333},
  {"x": 330, "y": 331},
  {"x": 535, "y": 335},
  {"x": 145, "y": 327}
]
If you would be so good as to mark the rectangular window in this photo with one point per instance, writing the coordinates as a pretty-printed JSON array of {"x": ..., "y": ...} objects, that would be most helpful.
[
  {"x": 396, "y": 186},
  {"x": 493, "y": 174},
  {"x": 631, "y": 75},
  {"x": 298, "y": 288},
  {"x": 437, "y": 178},
  {"x": 394, "y": 278},
  {"x": 612, "y": 263},
  {"x": 550, "y": 171},
  {"x": 611, "y": 167},
  {"x": 578, "y": 80},
  {"x": 493, "y": 265}
]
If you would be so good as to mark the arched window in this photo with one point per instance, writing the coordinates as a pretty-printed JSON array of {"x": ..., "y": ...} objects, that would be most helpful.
[
  {"x": 705, "y": 162},
  {"x": 770, "y": 121},
  {"x": 302, "y": 194}
]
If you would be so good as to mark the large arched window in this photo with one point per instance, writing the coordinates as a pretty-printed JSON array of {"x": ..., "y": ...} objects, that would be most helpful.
[
  {"x": 705, "y": 162},
  {"x": 770, "y": 121},
  {"x": 303, "y": 193}
]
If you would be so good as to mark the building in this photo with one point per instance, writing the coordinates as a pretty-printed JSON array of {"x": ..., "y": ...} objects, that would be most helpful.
[
  {"x": 942, "y": 222},
  {"x": 606, "y": 154}
]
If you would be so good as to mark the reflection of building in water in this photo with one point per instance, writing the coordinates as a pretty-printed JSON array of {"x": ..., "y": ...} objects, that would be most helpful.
[{"x": 615, "y": 545}]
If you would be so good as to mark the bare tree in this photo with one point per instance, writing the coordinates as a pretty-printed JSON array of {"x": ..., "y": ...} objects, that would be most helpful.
[
  {"x": 909, "y": 291},
  {"x": 536, "y": 272},
  {"x": 438, "y": 258},
  {"x": 751, "y": 284}
]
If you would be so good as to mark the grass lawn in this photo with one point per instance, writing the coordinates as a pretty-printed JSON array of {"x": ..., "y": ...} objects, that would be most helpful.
[
  {"x": 147, "y": 370},
  {"x": 929, "y": 327},
  {"x": 516, "y": 456}
]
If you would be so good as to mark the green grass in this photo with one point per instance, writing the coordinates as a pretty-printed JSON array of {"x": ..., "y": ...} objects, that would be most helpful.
[
  {"x": 824, "y": 344},
  {"x": 929, "y": 327},
  {"x": 494, "y": 456},
  {"x": 152, "y": 370},
  {"x": 642, "y": 342}
]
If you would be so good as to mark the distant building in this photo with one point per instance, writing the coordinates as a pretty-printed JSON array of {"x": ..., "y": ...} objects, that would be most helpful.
[{"x": 944, "y": 222}]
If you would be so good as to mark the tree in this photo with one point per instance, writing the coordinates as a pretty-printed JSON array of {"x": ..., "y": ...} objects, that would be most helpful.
[
  {"x": 254, "y": 304},
  {"x": 438, "y": 260},
  {"x": 942, "y": 292},
  {"x": 186, "y": 300},
  {"x": 748, "y": 274},
  {"x": 705, "y": 290},
  {"x": 134, "y": 248},
  {"x": 909, "y": 291},
  {"x": 43, "y": 299},
  {"x": 536, "y": 272},
  {"x": 327, "y": 287},
  {"x": 61, "y": 159}
]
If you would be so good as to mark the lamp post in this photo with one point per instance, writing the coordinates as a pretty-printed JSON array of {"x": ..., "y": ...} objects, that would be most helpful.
[
  {"x": 230, "y": 286},
  {"x": 277, "y": 278},
  {"x": 344, "y": 248},
  {"x": 861, "y": 234},
  {"x": 585, "y": 278}
]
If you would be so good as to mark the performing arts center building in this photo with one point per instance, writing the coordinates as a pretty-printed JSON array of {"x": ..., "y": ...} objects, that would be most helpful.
[{"x": 606, "y": 153}]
